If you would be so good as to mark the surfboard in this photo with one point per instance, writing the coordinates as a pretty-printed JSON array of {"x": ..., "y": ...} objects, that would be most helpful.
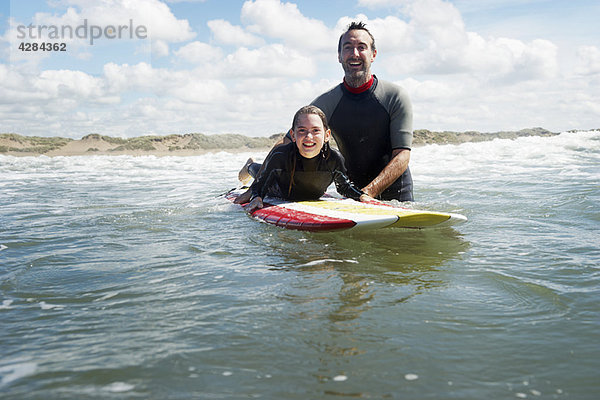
[{"x": 329, "y": 214}]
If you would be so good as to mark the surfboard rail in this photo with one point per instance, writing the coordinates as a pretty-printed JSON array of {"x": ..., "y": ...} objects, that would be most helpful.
[{"x": 329, "y": 214}]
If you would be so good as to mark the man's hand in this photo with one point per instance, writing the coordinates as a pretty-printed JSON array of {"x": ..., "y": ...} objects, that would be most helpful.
[{"x": 392, "y": 171}]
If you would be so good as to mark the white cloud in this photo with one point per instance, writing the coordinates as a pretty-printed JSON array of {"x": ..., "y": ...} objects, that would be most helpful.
[
  {"x": 198, "y": 90},
  {"x": 383, "y": 3},
  {"x": 186, "y": 85},
  {"x": 121, "y": 78},
  {"x": 391, "y": 33},
  {"x": 49, "y": 103},
  {"x": 270, "y": 61},
  {"x": 47, "y": 89},
  {"x": 68, "y": 84},
  {"x": 464, "y": 103},
  {"x": 199, "y": 53},
  {"x": 159, "y": 48},
  {"x": 284, "y": 21},
  {"x": 430, "y": 90},
  {"x": 274, "y": 60},
  {"x": 502, "y": 59},
  {"x": 166, "y": 101},
  {"x": 226, "y": 33},
  {"x": 588, "y": 58},
  {"x": 435, "y": 41}
]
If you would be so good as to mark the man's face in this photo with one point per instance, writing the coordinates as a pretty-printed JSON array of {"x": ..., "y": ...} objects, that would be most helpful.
[{"x": 356, "y": 55}]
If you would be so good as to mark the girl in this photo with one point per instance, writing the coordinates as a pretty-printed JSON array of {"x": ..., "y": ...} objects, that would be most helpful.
[{"x": 303, "y": 169}]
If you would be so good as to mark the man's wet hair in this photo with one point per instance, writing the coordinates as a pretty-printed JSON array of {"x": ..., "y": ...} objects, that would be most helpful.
[{"x": 356, "y": 26}]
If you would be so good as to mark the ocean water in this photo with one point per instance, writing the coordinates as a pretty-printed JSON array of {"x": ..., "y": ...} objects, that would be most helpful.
[{"x": 131, "y": 278}]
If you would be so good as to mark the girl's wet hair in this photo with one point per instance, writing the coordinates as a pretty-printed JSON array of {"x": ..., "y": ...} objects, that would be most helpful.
[{"x": 310, "y": 110}]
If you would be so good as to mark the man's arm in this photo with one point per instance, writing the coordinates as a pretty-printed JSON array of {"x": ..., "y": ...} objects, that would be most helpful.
[{"x": 391, "y": 172}]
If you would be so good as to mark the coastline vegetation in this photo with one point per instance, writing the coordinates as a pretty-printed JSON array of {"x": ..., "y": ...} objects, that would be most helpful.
[
  {"x": 94, "y": 143},
  {"x": 15, "y": 143},
  {"x": 32, "y": 144},
  {"x": 424, "y": 136}
]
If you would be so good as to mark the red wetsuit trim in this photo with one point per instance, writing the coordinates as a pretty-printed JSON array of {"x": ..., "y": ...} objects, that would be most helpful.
[{"x": 360, "y": 89}]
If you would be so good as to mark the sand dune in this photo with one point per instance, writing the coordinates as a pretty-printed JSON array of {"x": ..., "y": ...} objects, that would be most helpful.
[
  {"x": 95, "y": 144},
  {"x": 197, "y": 143}
]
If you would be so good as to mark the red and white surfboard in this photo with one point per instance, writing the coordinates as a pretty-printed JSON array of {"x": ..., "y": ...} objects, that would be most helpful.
[{"x": 334, "y": 214}]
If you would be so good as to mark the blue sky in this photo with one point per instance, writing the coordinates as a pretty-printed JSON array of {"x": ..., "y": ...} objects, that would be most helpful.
[{"x": 218, "y": 66}]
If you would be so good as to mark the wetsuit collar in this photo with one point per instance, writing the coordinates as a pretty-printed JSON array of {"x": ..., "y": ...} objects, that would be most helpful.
[{"x": 362, "y": 88}]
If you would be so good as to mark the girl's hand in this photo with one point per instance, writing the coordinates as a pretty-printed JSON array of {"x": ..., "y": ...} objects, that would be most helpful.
[
  {"x": 365, "y": 198},
  {"x": 255, "y": 204},
  {"x": 244, "y": 197}
]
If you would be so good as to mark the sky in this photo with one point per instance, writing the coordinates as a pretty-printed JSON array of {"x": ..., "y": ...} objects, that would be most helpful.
[{"x": 128, "y": 68}]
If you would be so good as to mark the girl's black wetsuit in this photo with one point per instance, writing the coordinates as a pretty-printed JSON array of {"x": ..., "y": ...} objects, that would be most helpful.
[{"x": 310, "y": 179}]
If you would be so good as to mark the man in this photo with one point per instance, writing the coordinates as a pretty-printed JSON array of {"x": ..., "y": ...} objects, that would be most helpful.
[{"x": 370, "y": 119}]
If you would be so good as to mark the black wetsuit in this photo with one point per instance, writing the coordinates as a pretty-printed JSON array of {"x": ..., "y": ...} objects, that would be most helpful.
[
  {"x": 311, "y": 178},
  {"x": 367, "y": 127}
]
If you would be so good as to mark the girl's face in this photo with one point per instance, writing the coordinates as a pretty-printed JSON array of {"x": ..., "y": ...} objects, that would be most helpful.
[{"x": 310, "y": 135}]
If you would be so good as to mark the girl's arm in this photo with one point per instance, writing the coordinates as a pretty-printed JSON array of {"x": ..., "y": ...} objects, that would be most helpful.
[
  {"x": 264, "y": 180},
  {"x": 343, "y": 184},
  {"x": 345, "y": 187},
  {"x": 247, "y": 195}
]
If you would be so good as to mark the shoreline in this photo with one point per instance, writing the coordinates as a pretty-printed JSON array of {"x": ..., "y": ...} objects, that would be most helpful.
[
  {"x": 193, "y": 144},
  {"x": 134, "y": 153},
  {"x": 190, "y": 144}
]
